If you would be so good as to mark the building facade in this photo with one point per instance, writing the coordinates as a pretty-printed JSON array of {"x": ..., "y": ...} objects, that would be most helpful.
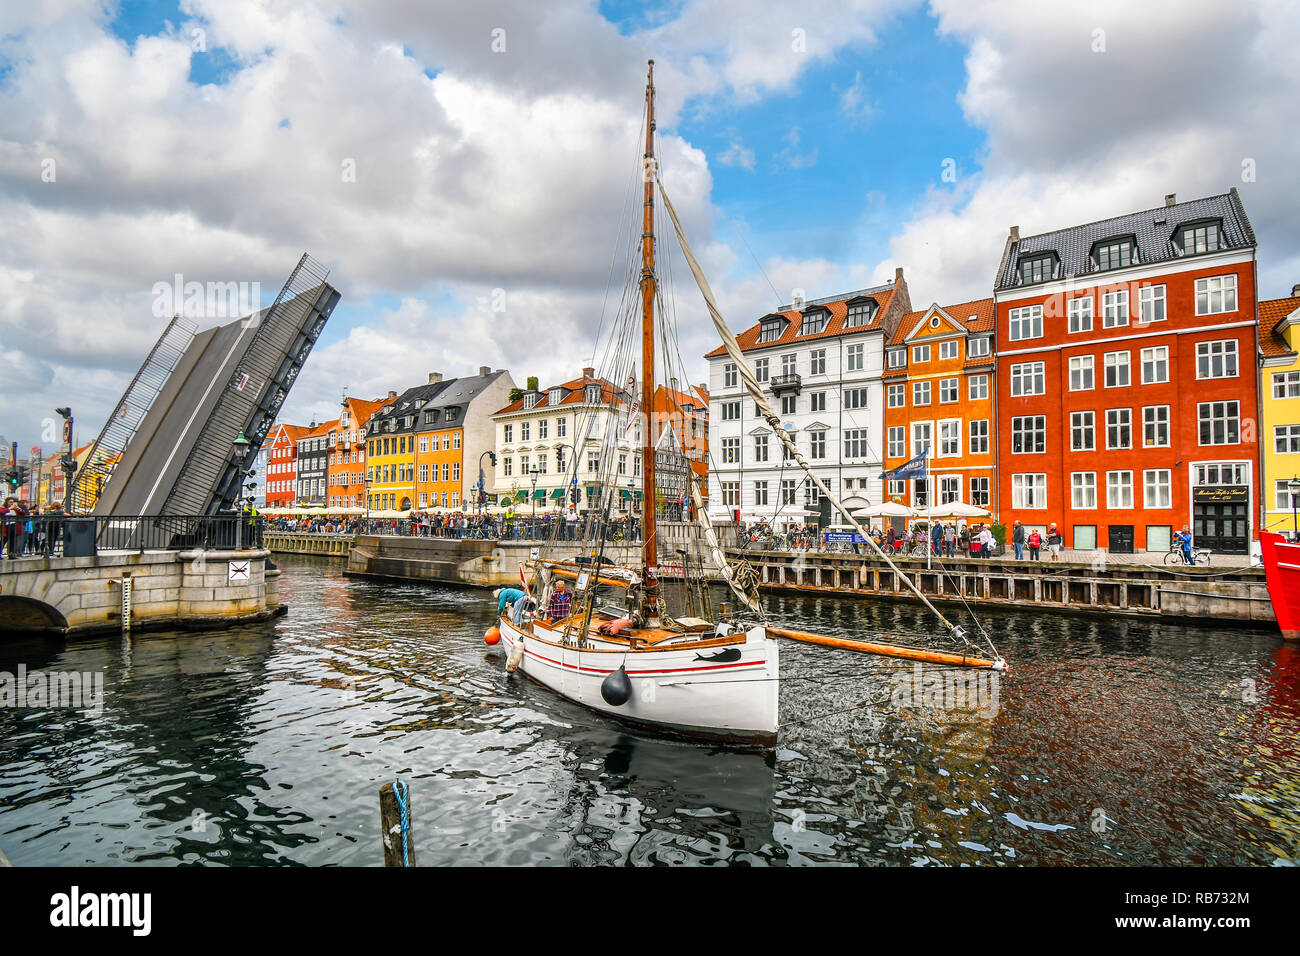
[
  {"x": 822, "y": 363},
  {"x": 1126, "y": 386},
  {"x": 312, "y": 464},
  {"x": 1279, "y": 393},
  {"x": 939, "y": 400},
  {"x": 390, "y": 447},
  {"x": 455, "y": 435},
  {"x": 282, "y": 465},
  {"x": 347, "y": 453},
  {"x": 686, "y": 413}
]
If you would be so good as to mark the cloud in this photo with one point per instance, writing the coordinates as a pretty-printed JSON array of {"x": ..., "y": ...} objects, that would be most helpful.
[
  {"x": 855, "y": 103},
  {"x": 737, "y": 154},
  {"x": 789, "y": 157}
]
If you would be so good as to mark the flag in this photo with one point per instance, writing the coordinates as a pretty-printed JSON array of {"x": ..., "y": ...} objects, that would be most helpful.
[
  {"x": 634, "y": 401},
  {"x": 918, "y": 467}
]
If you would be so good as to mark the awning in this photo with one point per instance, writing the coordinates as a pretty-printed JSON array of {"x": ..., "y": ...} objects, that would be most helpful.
[
  {"x": 558, "y": 494},
  {"x": 540, "y": 494},
  {"x": 624, "y": 493}
]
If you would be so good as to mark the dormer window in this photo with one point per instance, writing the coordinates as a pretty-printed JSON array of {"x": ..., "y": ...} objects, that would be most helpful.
[
  {"x": 978, "y": 347},
  {"x": 530, "y": 399},
  {"x": 896, "y": 358},
  {"x": 556, "y": 396},
  {"x": 1038, "y": 267},
  {"x": 770, "y": 328},
  {"x": 861, "y": 312},
  {"x": 1114, "y": 253},
  {"x": 450, "y": 415},
  {"x": 814, "y": 321},
  {"x": 593, "y": 394},
  {"x": 1197, "y": 237}
]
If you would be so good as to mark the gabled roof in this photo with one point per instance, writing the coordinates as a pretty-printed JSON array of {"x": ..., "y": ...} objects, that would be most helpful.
[
  {"x": 456, "y": 397},
  {"x": 1272, "y": 313},
  {"x": 975, "y": 317},
  {"x": 838, "y": 308},
  {"x": 575, "y": 393},
  {"x": 1152, "y": 229},
  {"x": 405, "y": 404}
]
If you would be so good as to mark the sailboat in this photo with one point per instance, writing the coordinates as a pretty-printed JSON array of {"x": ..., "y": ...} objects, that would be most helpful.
[{"x": 619, "y": 647}]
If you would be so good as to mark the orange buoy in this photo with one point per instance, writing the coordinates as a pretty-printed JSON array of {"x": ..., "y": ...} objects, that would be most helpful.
[{"x": 493, "y": 635}]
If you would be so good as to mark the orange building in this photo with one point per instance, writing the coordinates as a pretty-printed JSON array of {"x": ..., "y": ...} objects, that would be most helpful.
[
  {"x": 687, "y": 413},
  {"x": 347, "y": 453},
  {"x": 938, "y": 380}
]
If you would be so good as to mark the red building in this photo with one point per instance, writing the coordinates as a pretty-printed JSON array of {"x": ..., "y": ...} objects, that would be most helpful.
[
  {"x": 1127, "y": 399},
  {"x": 281, "y": 465}
]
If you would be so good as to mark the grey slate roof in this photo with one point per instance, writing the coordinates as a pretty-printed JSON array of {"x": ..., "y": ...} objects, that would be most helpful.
[
  {"x": 1153, "y": 229},
  {"x": 457, "y": 396},
  {"x": 402, "y": 406}
]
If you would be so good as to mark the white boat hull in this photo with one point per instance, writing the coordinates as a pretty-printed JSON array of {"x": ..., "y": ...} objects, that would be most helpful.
[{"x": 675, "y": 690}]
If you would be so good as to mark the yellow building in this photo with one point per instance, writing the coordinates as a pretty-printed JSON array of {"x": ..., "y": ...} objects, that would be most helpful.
[
  {"x": 1279, "y": 391},
  {"x": 390, "y": 452}
]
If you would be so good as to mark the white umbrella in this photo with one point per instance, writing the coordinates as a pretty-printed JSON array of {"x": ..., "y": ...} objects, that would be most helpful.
[
  {"x": 955, "y": 509},
  {"x": 889, "y": 509}
]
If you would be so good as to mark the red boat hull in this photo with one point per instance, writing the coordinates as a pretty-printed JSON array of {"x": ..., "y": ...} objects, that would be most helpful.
[{"x": 1282, "y": 567}]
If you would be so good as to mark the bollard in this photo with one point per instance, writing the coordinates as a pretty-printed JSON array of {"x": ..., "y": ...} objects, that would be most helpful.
[{"x": 395, "y": 824}]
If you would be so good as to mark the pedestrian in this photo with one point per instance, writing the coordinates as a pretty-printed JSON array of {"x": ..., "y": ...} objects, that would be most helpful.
[
  {"x": 561, "y": 604},
  {"x": 1054, "y": 543},
  {"x": 986, "y": 542},
  {"x": 1187, "y": 544},
  {"x": 936, "y": 538},
  {"x": 1018, "y": 540},
  {"x": 1035, "y": 542},
  {"x": 963, "y": 540},
  {"x": 949, "y": 541}
]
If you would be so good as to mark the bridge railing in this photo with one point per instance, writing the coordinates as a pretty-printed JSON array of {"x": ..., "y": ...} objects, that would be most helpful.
[{"x": 58, "y": 535}]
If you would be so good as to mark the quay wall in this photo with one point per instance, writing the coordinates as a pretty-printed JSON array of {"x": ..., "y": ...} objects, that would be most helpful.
[{"x": 187, "y": 589}]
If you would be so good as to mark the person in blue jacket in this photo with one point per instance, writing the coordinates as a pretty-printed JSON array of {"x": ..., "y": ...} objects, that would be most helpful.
[{"x": 506, "y": 597}]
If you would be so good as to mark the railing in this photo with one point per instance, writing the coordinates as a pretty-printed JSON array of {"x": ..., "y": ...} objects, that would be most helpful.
[
  {"x": 58, "y": 535},
  {"x": 789, "y": 381}
]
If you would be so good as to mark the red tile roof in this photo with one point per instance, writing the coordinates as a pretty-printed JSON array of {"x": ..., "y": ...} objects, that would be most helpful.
[
  {"x": 1271, "y": 314},
  {"x": 575, "y": 394},
  {"x": 976, "y": 316},
  {"x": 748, "y": 339}
]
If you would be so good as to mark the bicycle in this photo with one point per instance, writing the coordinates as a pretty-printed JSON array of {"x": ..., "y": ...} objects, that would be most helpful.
[{"x": 1176, "y": 555}]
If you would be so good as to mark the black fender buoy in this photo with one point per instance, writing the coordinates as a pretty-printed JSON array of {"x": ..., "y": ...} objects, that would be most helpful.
[{"x": 617, "y": 687}]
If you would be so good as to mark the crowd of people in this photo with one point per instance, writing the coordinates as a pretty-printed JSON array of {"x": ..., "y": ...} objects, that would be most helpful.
[
  {"x": 942, "y": 539},
  {"x": 507, "y": 526},
  {"x": 28, "y": 531}
]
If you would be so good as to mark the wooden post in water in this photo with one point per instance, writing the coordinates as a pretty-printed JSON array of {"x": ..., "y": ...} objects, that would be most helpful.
[{"x": 395, "y": 824}]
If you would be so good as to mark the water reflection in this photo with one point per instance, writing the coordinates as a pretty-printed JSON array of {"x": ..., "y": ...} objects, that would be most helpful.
[{"x": 268, "y": 744}]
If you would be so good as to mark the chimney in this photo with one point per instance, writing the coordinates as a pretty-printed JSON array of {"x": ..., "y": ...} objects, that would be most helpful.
[
  {"x": 672, "y": 383},
  {"x": 1015, "y": 233},
  {"x": 485, "y": 370},
  {"x": 898, "y": 275},
  {"x": 588, "y": 373},
  {"x": 435, "y": 378},
  {"x": 797, "y": 302},
  {"x": 1171, "y": 199},
  {"x": 391, "y": 395},
  {"x": 1295, "y": 292}
]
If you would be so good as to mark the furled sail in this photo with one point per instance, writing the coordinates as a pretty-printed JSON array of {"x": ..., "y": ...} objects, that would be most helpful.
[
  {"x": 766, "y": 410},
  {"x": 719, "y": 557}
]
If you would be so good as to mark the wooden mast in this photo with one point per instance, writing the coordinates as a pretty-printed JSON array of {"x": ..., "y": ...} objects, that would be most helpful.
[{"x": 648, "y": 500}]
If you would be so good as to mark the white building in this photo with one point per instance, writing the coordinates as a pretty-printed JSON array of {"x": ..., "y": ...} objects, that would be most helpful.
[
  {"x": 822, "y": 362},
  {"x": 538, "y": 434}
]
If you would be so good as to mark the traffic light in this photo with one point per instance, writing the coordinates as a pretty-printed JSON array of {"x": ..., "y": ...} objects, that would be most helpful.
[
  {"x": 12, "y": 479},
  {"x": 573, "y": 495}
]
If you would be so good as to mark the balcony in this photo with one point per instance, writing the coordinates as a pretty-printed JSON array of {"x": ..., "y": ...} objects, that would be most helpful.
[{"x": 792, "y": 382}]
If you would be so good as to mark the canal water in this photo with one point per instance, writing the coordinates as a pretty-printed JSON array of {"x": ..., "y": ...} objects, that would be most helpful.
[{"x": 1112, "y": 741}]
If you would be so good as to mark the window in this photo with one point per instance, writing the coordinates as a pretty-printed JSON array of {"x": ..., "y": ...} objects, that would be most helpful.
[
  {"x": 817, "y": 362},
  {"x": 1282, "y": 500},
  {"x": 789, "y": 403},
  {"x": 1080, "y": 310},
  {"x": 950, "y": 438},
  {"x": 922, "y": 433},
  {"x": 979, "y": 492},
  {"x": 1081, "y": 373},
  {"x": 817, "y": 444},
  {"x": 1027, "y": 379},
  {"x": 1117, "y": 369},
  {"x": 949, "y": 489},
  {"x": 424, "y": 473},
  {"x": 524, "y": 428},
  {"x": 455, "y": 471},
  {"x": 1219, "y": 423},
  {"x": 730, "y": 493},
  {"x": 1199, "y": 237},
  {"x": 730, "y": 452},
  {"x": 897, "y": 395},
  {"x": 979, "y": 387},
  {"x": 896, "y": 358},
  {"x": 855, "y": 443},
  {"x": 788, "y": 487},
  {"x": 1083, "y": 431},
  {"x": 1114, "y": 254},
  {"x": 947, "y": 390},
  {"x": 561, "y": 428},
  {"x": 1029, "y": 491},
  {"x": 730, "y": 411},
  {"x": 979, "y": 436},
  {"x": 1216, "y": 359},
  {"x": 523, "y": 465},
  {"x": 543, "y": 427},
  {"x": 1217, "y": 294},
  {"x": 770, "y": 329},
  {"x": 1286, "y": 384},
  {"x": 1286, "y": 439},
  {"x": 1083, "y": 489},
  {"x": 760, "y": 492},
  {"x": 1119, "y": 489},
  {"x": 760, "y": 448},
  {"x": 1114, "y": 308},
  {"x": 1156, "y": 488},
  {"x": 920, "y": 353},
  {"x": 1155, "y": 426},
  {"x": 814, "y": 321},
  {"x": 855, "y": 358},
  {"x": 895, "y": 488},
  {"x": 920, "y": 393},
  {"x": 948, "y": 350},
  {"x": 1028, "y": 434},
  {"x": 1151, "y": 303},
  {"x": 855, "y": 398},
  {"x": 424, "y": 443},
  {"x": 761, "y": 369},
  {"x": 729, "y": 376},
  {"x": 1037, "y": 268},
  {"x": 816, "y": 401},
  {"x": 541, "y": 465},
  {"x": 1119, "y": 428},
  {"x": 1155, "y": 365},
  {"x": 860, "y": 313},
  {"x": 897, "y": 441},
  {"x": 1221, "y": 473},
  {"x": 507, "y": 433},
  {"x": 593, "y": 462},
  {"x": 1027, "y": 323},
  {"x": 977, "y": 348}
]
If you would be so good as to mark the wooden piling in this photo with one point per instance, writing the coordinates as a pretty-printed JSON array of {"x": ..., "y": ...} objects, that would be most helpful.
[{"x": 399, "y": 843}]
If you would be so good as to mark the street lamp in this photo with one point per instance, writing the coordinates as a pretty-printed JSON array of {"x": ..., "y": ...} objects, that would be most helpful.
[
  {"x": 240, "y": 444},
  {"x": 481, "y": 495},
  {"x": 534, "y": 472},
  {"x": 1294, "y": 485}
]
